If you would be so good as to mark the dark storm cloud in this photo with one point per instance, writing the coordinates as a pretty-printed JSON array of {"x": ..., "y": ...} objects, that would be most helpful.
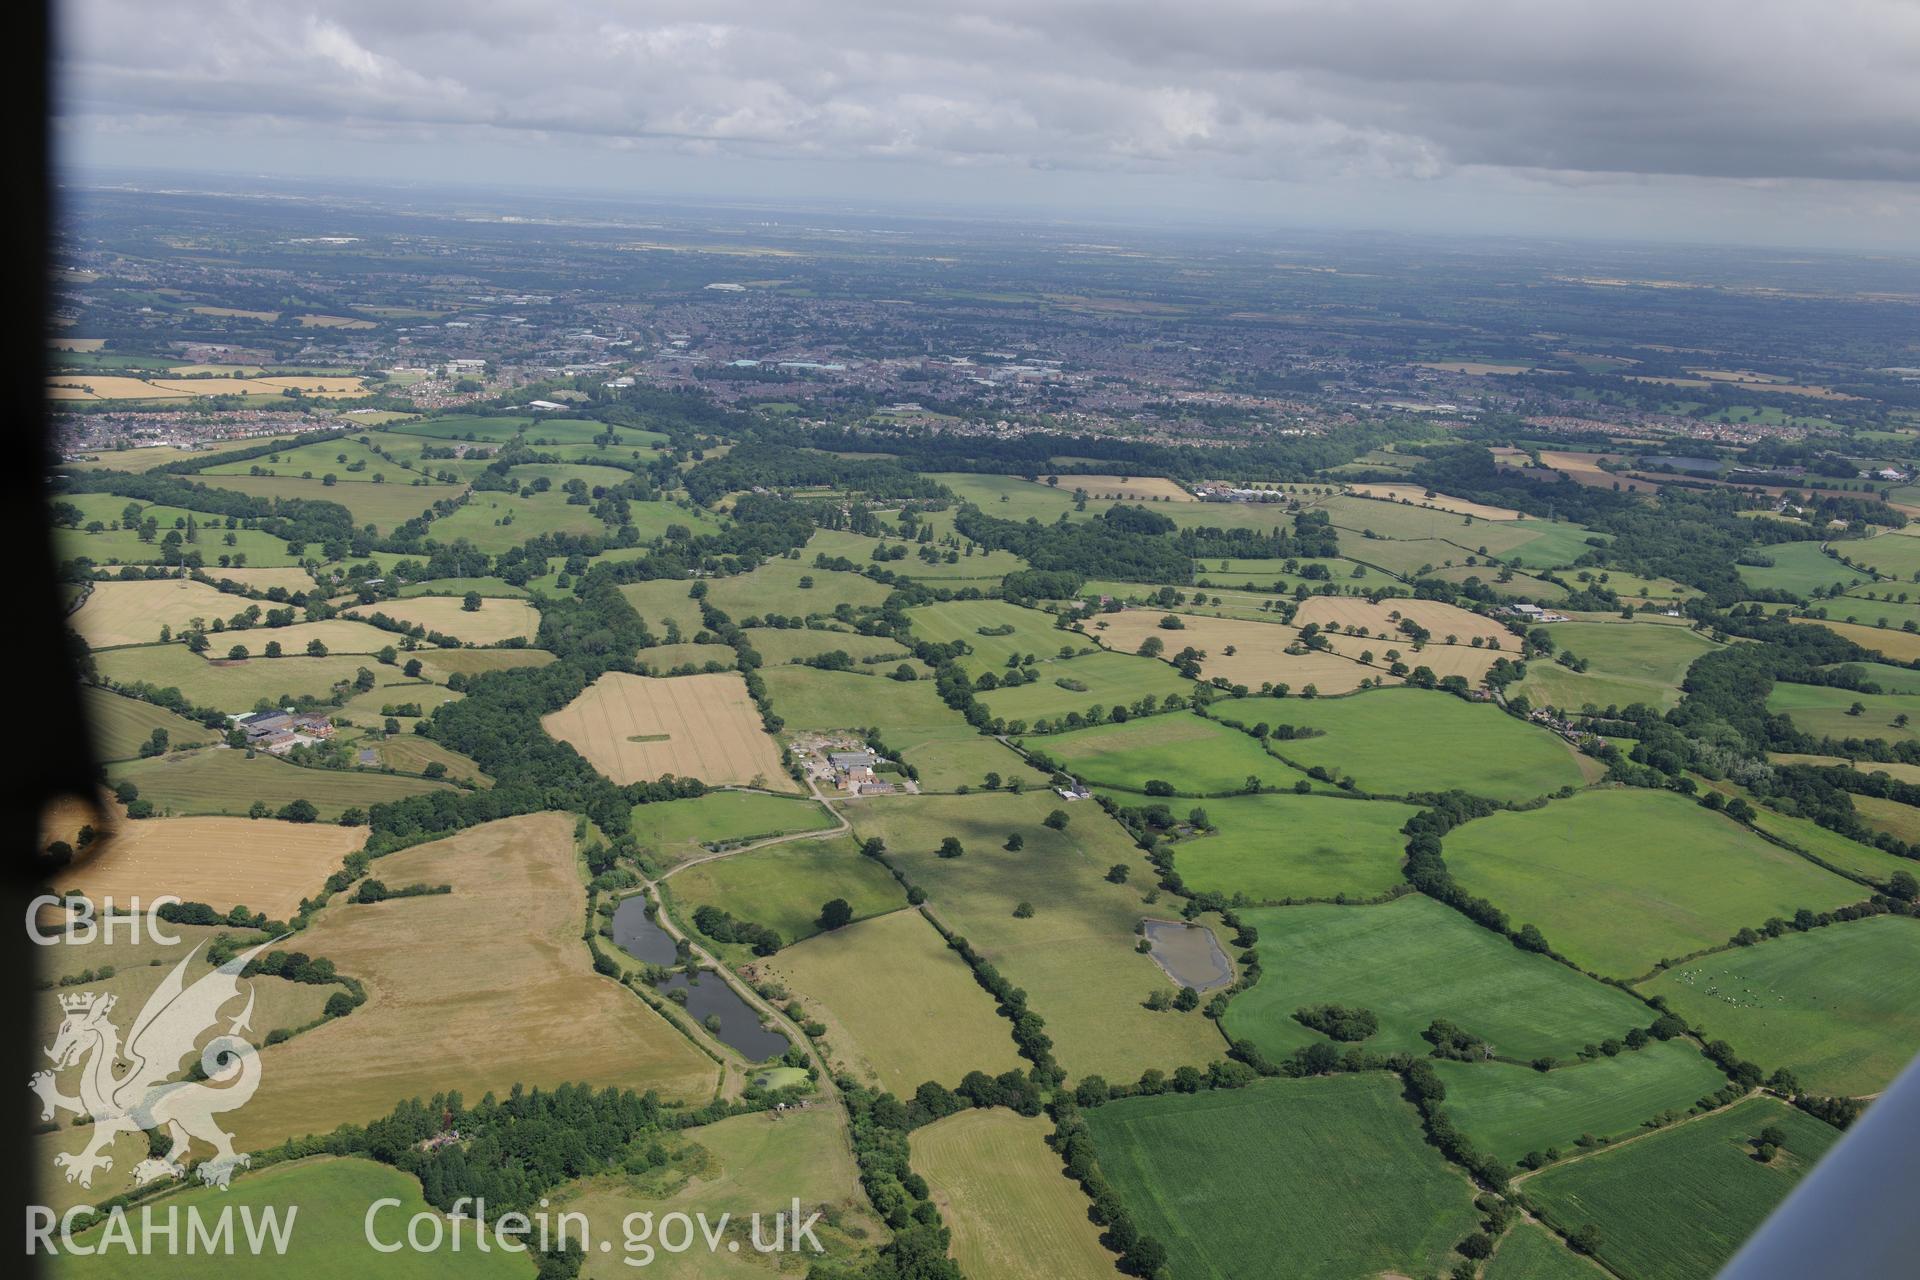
[{"x": 1769, "y": 89}]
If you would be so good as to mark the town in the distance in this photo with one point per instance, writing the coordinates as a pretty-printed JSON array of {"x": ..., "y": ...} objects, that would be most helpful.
[{"x": 783, "y": 742}]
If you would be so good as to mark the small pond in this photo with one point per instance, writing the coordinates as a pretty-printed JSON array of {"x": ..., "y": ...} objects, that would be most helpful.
[
  {"x": 739, "y": 1023},
  {"x": 635, "y": 933},
  {"x": 1189, "y": 954}
]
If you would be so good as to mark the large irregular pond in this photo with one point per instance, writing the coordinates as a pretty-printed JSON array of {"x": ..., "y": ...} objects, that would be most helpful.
[
  {"x": 1189, "y": 954},
  {"x": 637, "y": 933}
]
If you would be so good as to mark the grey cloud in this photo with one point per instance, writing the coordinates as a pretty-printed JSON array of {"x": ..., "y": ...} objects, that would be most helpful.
[{"x": 1208, "y": 88}]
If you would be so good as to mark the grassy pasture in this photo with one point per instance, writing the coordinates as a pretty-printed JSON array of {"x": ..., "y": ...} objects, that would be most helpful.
[
  {"x": 1619, "y": 879},
  {"x": 460, "y": 586},
  {"x": 1194, "y": 754},
  {"x": 1627, "y": 663},
  {"x": 1509, "y": 1109},
  {"x": 444, "y": 662},
  {"x": 409, "y": 752},
  {"x": 1797, "y": 568},
  {"x": 124, "y": 546},
  {"x": 661, "y": 601},
  {"x": 664, "y": 658},
  {"x": 1273, "y": 847},
  {"x": 458, "y": 426},
  {"x": 1033, "y": 632},
  {"x": 1399, "y": 741},
  {"x": 437, "y": 1004},
  {"x": 1891, "y": 555},
  {"x": 230, "y": 686},
  {"x": 738, "y": 1166},
  {"x": 775, "y": 587},
  {"x": 638, "y": 728},
  {"x": 328, "y": 1242},
  {"x": 910, "y": 716},
  {"x": 1414, "y": 495},
  {"x": 222, "y": 781},
  {"x": 494, "y": 621},
  {"x": 680, "y": 829},
  {"x": 1347, "y": 1188},
  {"x": 1013, "y": 1213},
  {"x": 261, "y": 863},
  {"x": 1839, "y": 1007},
  {"x": 381, "y": 505},
  {"x": 967, "y": 564},
  {"x": 1830, "y": 847},
  {"x": 1676, "y": 1204},
  {"x": 1406, "y": 557},
  {"x": 1823, "y": 710},
  {"x": 783, "y": 645},
  {"x": 496, "y": 521},
  {"x": 1411, "y": 961},
  {"x": 1075, "y": 957},
  {"x": 1107, "y": 680},
  {"x": 783, "y": 886},
  {"x": 1531, "y": 1252},
  {"x": 900, "y": 1006},
  {"x": 121, "y": 726}
]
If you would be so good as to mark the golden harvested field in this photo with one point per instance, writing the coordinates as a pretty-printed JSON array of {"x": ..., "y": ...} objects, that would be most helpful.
[
  {"x": 261, "y": 863},
  {"x": 1475, "y": 367},
  {"x": 900, "y": 1006},
  {"x": 479, "y": 989},
  {"x": 702, "y": 726},
  {"x": 133, "y": 612},
  {"x": 1901, "y": 646},
  {"x": 235, "y": 313},
  {"x": 1442, "y": 659},
  {"x": 340, "y": 635},
  {"x": 1440, "y": 502},
  {"x": 76, "y": 344},
  {"x": 1259, "y": 650},
  {"x": 1782, "y": 388},
  {"x": 1127, "y": 488},
  {"x": 1014, "y": 1214},
  {"x": 1583, "y": 468},
  {"x": 497, "y": 618},
  {"x": 334, "y": 322},
  {"x": 265, "y": 579},
  {"x": 106, "y": 386},
  {"x": 1380, "y": 620}
]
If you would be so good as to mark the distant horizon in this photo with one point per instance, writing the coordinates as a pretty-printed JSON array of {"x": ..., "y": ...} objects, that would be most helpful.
[{"x": 239, "y": 183}]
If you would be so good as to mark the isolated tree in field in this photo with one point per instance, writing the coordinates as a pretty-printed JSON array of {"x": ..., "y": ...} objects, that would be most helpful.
[
  {"x": 387, "y": 656},
  {"x": 273, "y": 649},
  {"x": 836, "y": 914},
  {"x": 951, "y": 847},
  {"x": 238, "y": 653},
  {"x": 470, "y": 603},
  {"x": 1117, "y": 873},
  {"x": 993, "y": 781},
  {"x": 412, "y": 669},
  {"x": 1057, "y": 820},
  {"x": 1152, "y": 647},
  {"x": 315, "y": 649},
  {"x": 1903, "y": 885},
  {"x": 298, "y": 811},
  {"x": 873, "y": 846},
  {"x": 1015, "y": 842}
]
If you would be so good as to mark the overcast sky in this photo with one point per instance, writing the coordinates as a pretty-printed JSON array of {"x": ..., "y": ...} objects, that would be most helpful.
[{"x": 1785, "y": 121}]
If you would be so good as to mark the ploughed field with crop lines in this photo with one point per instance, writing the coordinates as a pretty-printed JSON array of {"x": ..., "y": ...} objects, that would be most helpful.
[{"x": 639, "y": 728}]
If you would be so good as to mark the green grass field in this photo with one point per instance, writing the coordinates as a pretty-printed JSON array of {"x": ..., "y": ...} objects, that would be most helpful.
[
  {"x": 775, "y": 588},
  {"x": 1509, "y": 1109},
  {"x": 1273, "y": 847},
  {"x": 776, "y": 647},
  {"x": 1033, "y": 632},
  {"x": 1839, "y": 1007},
  {"x": 234, "y": 687},
  {"x": 677, "y": 829},
  {"x": 738, "y": 1166},
  {"x": 460, "y": 426},
  {"x": 1627, "y": 663},
  {"x": 1891, "y": 679},
  {"x": 1193, "y": 754},
  {"x": 1799, "y": 567},
  {"x": 1346, "y": 1185},
  {"x": 1530, "y": 1252},
  {"x": 1619, "y": 879},
  {"x": 1823, "y": 710},
  {"x": 124, "y": 545},
  {"x": 225, "y": 781},
  {"x": 1891, "y": 555},
  {"x": 496, "y": 521},
  {"x": 121, "y": 726},
  {"x": 328, "y": 1200},
  {"x": 1013, "y": 1213},
  {"x": 1675, "y": 1205},
  {"x": 970, "y": 564},
  {"x": 784, "y": 886},
  {"x": 910, "y": 716},
  {"x": 664, "y": 600},
  {"x": 1411, "y": 961},
  {"x": 1075, "y": 956},
  {"x": 899, "y": 1005},
  {"x": 1401, "y": 741},
  {"x": 1095, "y": 679},
  {"x": 381, "y": 505},
  {"x": 1830, "y": 847}
]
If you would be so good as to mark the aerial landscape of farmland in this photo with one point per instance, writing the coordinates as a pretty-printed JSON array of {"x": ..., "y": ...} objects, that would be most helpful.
[{"x": 1001, "y": 747}]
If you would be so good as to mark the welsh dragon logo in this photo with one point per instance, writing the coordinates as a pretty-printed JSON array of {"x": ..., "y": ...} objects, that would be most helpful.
[{"x": 143, "y": 1097}]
